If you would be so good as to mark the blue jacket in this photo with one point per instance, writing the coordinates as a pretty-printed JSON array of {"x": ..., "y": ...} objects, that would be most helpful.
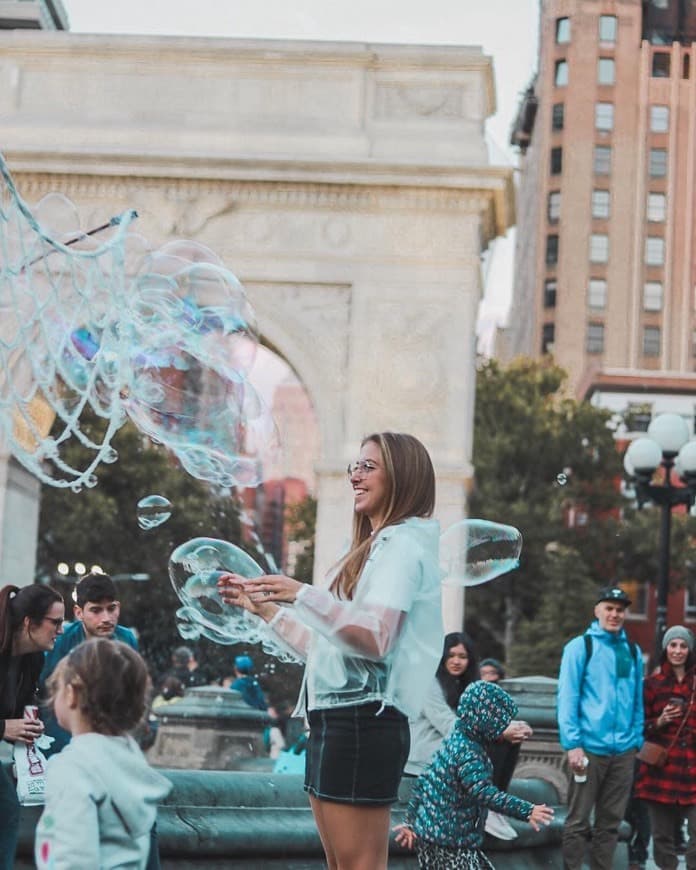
[
  {"x": 72, "y": 636},
  {"x": 600, "y": 701},
  {"x": 251, "y": 692}
]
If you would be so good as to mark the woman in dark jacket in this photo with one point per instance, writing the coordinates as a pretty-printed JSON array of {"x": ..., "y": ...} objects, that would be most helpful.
[
  {"x": 670, "y": 790},
  {"x": 30, "y": 620}
]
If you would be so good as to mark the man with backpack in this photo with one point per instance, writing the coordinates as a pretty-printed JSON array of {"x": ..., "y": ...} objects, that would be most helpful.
[{"x": 600, "y": 720}]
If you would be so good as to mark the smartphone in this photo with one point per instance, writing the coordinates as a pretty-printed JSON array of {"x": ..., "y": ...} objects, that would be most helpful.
[{"x": 676, "y": 701}]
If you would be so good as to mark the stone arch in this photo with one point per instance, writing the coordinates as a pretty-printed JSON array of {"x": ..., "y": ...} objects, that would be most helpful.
[{"x": 347, "y": 186}]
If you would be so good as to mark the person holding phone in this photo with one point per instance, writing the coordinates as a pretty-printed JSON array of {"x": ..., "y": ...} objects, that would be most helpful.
[{"x": 670, "y": 720}]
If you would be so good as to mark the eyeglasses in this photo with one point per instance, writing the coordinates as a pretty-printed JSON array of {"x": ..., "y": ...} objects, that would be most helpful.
[
  {"x": 57, "y": 622},
  {"x": 362, "y": 467}
]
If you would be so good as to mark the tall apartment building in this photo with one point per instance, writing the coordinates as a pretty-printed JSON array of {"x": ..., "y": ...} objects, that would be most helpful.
[
  {"x": 605, "y": 275},
  {"x": 33, "y": 15}
]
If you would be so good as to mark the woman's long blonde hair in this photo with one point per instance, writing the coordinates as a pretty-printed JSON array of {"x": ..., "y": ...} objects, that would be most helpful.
[{"x": 410, "y": 493}]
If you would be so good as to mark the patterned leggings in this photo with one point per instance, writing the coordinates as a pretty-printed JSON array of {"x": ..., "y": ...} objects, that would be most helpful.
[{"x": 432, "y": 857}]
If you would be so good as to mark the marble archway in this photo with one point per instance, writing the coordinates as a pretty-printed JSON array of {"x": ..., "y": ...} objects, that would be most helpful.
[{"x": 346, "y": 185}]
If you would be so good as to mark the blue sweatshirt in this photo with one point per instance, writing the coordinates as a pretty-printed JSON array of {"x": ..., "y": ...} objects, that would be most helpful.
[{"x": 600, "y": 701}]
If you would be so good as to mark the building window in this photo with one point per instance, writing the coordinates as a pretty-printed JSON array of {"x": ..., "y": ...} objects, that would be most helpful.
[
  {"x": 554, "y": 205},
  {"x": 654, "y": 251},
  {"x": 651, "y": 341},
  {"x": 597, "y": 293},
  {"x": 548, "y": 334},
  {"x": 560, "y": 78},
  {"x": 660, "y": 65},
  {"x": 639, "y": 592},
  {"x": 607, "y": 28},
  {"x": 659, "y": 119},
  {"x": 550, "y": 293},
  {"x": 599, "y": 248},
  {"x": 556, "y": 161},
  {"x": 600, "y": 204},
  {"x": 551, "y": 250},
  {"x": 686, "y": 66},
  {"x": 562, "y": 31},
  {"x": 652, "y": 296},
  {"x": 602, "y": 160},
  {"x": 657, "y": 166},
  {"x": 557, "y": 116},
  {"x": 657, "y": 207},
  {"x": 595, "y": 338},
  {"x": 605, "y": 71},
  {"x": 604, "y": 116}
]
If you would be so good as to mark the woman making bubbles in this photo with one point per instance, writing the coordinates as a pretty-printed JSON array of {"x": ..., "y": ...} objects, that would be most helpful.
[{"x": 371, "y": 639}]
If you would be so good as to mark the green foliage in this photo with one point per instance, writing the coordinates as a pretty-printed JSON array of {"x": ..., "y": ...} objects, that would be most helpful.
[
  {"x": 564, "y": 611},
  {"x": 540, "y": 459},
  {"x": 99, "y": 526},
  {"x": 301, "y": 523}
]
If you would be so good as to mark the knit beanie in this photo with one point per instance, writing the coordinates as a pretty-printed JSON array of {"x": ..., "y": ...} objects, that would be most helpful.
[{"x": 681, "y": 633}]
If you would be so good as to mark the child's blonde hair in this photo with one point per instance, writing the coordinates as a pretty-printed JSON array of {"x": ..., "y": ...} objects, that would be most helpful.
[{"x": 111, "y": 683}]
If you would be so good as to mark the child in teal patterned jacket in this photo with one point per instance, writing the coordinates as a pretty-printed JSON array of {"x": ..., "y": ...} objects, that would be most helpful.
[{"x": 446, "y": 816}]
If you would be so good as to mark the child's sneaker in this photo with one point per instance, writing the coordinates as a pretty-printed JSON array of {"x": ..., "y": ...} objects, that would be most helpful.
[{"x": 498, "y": 826}]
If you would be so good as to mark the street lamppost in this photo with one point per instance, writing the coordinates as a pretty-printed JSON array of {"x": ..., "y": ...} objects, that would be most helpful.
[{"x": 668, "y": 447}]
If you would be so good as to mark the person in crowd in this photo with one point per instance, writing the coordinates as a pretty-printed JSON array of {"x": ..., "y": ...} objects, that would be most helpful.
[
  {"x": 246, "y": 683},
  {"x": 491, "y": 670},
  {"x": 31, "y": 619},
  {"x": 97, "y": 611},
  {"x": 444, "y": 820},
  {"x": 459, "y": 668},
  {"x": 362, "y": 680},
  {"x": 670, "y": 720},
  {"x": 171, "y": 691},
  {"x": 186, "y": 668},
  {"x": 600, "y": 721},
  {"x": 101, "y": 794}
]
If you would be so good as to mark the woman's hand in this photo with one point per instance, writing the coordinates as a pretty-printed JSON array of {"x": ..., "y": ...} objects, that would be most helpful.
[
  {"x": 669, "y": 714},
  {"x": 540, "y": 816},
  {"x": 405, "y": 836},
  {"x": 272, "y": 587},
  {"x": 23, "y": 730},
  {"x": 232, "y": 591}
]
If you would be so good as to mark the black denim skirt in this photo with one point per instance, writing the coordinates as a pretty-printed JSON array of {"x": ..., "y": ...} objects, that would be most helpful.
[{"x": 356, "y": 755}]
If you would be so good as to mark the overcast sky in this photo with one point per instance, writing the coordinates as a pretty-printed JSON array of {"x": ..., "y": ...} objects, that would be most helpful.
[{"x": 506, "y": 29}]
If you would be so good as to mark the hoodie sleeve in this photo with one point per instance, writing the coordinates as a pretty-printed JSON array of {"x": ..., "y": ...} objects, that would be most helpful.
[
  {"x": 569, "y": 690},
  {"x": 477, "y": 782},
  {"x": 67, "y": 836},
  {"x": 638, "y": 709}
]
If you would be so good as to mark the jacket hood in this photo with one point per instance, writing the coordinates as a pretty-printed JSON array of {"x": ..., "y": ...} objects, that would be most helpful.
[
  {"x": 127, "y": 772},
  {"x": 485, "y": 711}
]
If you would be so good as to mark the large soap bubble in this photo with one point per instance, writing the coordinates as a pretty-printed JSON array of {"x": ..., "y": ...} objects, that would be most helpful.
[
  {"x": 194, "y": 569},
  {"x": 107, "y": 325},
  {"x": 475, "y": 551}
]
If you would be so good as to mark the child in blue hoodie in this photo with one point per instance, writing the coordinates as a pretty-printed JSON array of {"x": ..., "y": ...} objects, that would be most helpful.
[
  {"x": 101, "y": 794},
  {"x": 446, "y": 816}
]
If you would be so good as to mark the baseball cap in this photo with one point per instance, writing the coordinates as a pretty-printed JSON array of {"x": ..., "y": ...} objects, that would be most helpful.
[{"x": 613, "y": 593}]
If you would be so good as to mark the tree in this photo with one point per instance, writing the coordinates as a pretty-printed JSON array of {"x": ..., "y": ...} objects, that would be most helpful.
[
  {"x": 302, "y": 522},
  {"x": 544, "y": 464}
]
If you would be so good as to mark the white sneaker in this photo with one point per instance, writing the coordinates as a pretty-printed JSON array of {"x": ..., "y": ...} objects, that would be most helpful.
[{"x": 498, "y": 826}]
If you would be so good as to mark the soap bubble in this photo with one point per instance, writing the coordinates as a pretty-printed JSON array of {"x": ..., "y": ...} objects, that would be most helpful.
[
  {"x": 475, "y": 551},
  {"x": 94, "y": 320},
  {"x": 194, "y": 569},
  {"x": 153, "y": 510},
  {"x": 561, "y": 479}
]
